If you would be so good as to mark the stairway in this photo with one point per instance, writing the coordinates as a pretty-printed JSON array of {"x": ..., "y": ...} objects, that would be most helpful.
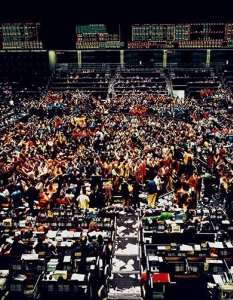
[{"x": 126, "y": 263}]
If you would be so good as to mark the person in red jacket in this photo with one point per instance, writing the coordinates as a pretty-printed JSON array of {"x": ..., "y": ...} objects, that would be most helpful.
[
  {"x": 143, "y": 282},
  {"x": 193, "y": 182}
]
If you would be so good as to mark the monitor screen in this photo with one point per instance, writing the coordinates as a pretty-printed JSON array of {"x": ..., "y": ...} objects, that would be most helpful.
[
  {"x": 51, "y": 267},
  {"x": 175, "y": 228}
]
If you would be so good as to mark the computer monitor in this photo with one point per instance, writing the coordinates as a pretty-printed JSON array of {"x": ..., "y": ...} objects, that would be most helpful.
[
  {"x": 175, "y": 228},
  {"x": 51, "y": 267},
  {"x": 22, "y": 223},
  {"x": 7, "y": 222}
]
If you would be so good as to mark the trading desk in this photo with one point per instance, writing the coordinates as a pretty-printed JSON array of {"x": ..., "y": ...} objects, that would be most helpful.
[{"x": 61, "y": 282}]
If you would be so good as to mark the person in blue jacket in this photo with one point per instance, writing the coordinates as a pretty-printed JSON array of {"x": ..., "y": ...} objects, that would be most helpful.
[{"x": 151, "y": 189}]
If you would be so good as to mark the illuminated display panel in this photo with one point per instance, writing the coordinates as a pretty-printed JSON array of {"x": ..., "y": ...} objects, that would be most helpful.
[
  {"x": 229, "y": 35},
  {"x": 97, "y": 36},
  {"x": 19, "y": 36},
  {"x": 152, "y": 36},
  {"x": 203, "y": 35},
  {"x": 188, "y": 35}
]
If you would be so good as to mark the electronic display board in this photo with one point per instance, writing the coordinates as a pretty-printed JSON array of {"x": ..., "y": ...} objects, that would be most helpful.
[
  {"x": 20, "y": 36},
  {"x": 188, "y": 35},
  {"x": 152, "y": 36},
  {"x": 28, "y": 36},
  {"x": 229, "y": 34},
  {"x": 98, "y": 36}
]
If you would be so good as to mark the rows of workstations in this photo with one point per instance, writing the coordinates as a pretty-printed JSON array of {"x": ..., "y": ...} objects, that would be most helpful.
[
  {"x": 58, "y": 254},
  {"x": 227, "y": 75},
  {"x": 136, "y": 81},
  {"x": 193, "y": 80},
  {"x": 72, "y": 78},
  {"x": 192, "y": 253}
]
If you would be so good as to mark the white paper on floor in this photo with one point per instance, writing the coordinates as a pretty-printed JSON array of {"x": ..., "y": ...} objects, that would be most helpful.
[
  {"x": 129, "y": 221},
  {"x": 117, "y": 264},
  {"x": 129, "y": 265},
  {"x": 121, "y": 234},
  {"x": 133, "y": 289},
  {"x": 133, "y": 233},
  {"x": 130, "y": 262},
  {"x": 120, "y": 228},
  {"x": 132, "y": 248},
  {"x": 129, "y": 249},
  {"x": 128, "y": 268}
]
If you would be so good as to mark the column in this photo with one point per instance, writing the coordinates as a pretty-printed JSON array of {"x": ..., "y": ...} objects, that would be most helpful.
[
  {"x": 52, "y": 60},
  {"x": 208, "y": 58},
  {"x": 164, "y": 58},
  {"x": 122, "y": 57},
  {"x": 79, "y": 57}
]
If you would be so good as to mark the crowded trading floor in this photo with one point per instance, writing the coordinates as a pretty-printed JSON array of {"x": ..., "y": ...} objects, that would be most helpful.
[{"x": 92, "y": 149}]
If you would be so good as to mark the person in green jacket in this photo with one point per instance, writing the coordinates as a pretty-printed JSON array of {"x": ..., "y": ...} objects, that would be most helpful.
[{"x": 165, "y": 215}]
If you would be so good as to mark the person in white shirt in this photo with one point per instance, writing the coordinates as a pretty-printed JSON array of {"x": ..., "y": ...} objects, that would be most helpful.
[{"x": 158, "y": 183}]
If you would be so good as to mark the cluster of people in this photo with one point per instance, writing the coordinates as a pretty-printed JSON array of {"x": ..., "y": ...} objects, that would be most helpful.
[{"x": 85, "y": 158}]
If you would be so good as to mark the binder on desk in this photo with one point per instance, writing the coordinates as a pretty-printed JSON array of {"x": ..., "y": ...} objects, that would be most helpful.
[{"x": 78, "y": 277}]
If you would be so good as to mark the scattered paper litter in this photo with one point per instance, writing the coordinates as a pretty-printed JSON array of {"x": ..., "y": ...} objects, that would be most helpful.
[
  {"x": 128, "y": 268},
  {"x": 121, "y": 228},
  {"x": 130, "y": 262},
  {"x": 118, "y": 263},
  {"x": 129, "y": 222}
]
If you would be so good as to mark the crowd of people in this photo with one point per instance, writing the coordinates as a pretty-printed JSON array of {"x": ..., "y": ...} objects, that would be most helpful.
[{"x": 74, "y": 149}]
